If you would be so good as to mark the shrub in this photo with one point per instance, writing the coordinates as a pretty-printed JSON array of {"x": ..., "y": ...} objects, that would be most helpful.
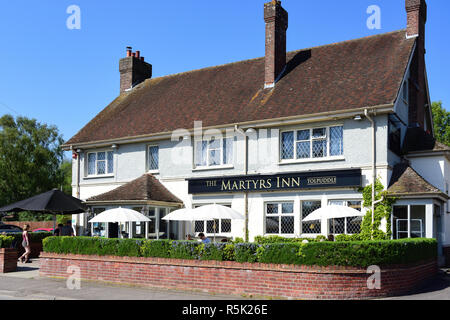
[
  {"x": 189, "y": 250},
  {"x": 6, "y": 241},
  {"x": 245, "y": 252},
  {"x": 213, "y": 251},
  {"x": 341, "y": 253},
  {"x": 156, "y": 248},
  {"x": 279, "y": 253},
  {"x": 278, "y": 239}
]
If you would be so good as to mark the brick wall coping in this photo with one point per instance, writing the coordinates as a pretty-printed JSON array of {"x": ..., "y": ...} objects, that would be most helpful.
[{"x": 231, "y": 264}]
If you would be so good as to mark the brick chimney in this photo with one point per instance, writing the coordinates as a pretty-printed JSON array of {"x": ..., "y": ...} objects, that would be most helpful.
[
  {"x": 276, "y": 19},
  {"x": 133, "y": 70},
  {"x": 416, "y": 11}
]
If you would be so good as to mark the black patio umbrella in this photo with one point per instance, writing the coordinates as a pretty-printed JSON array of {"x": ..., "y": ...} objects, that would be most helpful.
[{"x": 52, "y": 202}]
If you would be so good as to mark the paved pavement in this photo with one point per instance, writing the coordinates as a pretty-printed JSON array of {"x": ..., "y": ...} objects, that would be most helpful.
[{"x": 27, "y": 285}]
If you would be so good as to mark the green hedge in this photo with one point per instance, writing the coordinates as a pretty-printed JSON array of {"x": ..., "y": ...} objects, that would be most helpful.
[
  {"x": 6, "y": 241},
  {"x": 320, "y": 253},
  {"x": 278, "y": 239}
]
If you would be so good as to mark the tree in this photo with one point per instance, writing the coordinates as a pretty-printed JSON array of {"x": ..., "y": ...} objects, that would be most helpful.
[
  {"x": 30, "y": 158},
  {"x": 66, "y": 168},
  {"x": 441, "y": 119}
]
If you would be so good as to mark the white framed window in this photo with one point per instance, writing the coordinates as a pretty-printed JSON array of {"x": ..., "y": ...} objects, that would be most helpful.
[
  {"x": 310, "y": 227},
  {"x": 218, "y": 226},
  {"x": 351, "y": 225},
  {"x": 213, "y": 152},
  {"x": 314, "y": 143},
  {"x": 100, "y": 163},
  {"x": 279, "y": 218},
  {"x": 153, "y": 158}
]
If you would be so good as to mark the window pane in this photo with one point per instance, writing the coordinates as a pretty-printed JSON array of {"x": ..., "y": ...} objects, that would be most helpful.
[
  {"x": 225, "y": 226},
  {"x": 303, "y": 135},
  {"x": 272, "y": 208},
  {"x": 154, "y": 158},
  {"x": 303, "y": 150},
  {"x": 199, "y": 226},
  {"x": 101, "y": 167},
  {"x": 228, "y": 151},
  {"x": 319, "y": 133},
  {"x": 336, "y": 226},
  {"x": 313, "y": 227},
  {"x": 214, "y": 157},
  {"x": 212, "y": 226},
  {"x": 319, "y": 149},
  {"x": 287, "y": 208},
  {"x": 287, "y": 225},
  {"x": 336, "y": 141},
  {"x": 272, "y": 225},
  {"x": 110, "y": 162},
  {"x": 200, "y": 153},
  {"x": 287, "y": 145},
  {"x": 101, "y": 155},
  {"x": 214, "y": 143},
  {"x": 91, "y": 163}
]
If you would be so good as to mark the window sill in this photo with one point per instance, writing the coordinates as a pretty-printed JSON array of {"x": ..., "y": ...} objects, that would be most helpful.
[
  {"x": 328, "y": 159},
  {"x": 153, "y": 171},
  {"x": 213, "y": 168},
  {"x": 100, "y": 176}
]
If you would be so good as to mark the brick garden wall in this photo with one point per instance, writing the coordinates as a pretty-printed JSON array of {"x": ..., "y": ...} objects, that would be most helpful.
[
  {"x": 8, "y": 260},
  {"x": 224, "y": 277},
  {"x": 33, "y": 224}
]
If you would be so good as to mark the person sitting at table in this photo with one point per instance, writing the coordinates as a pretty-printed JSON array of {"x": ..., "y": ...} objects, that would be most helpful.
[{"x": 204, "y": 239}]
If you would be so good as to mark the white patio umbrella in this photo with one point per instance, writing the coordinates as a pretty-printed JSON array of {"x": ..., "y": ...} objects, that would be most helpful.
[
  {"x": 205, "y": 213},
  {"x": 215, "y": 211},
  {"x": 119, "y": 215},
  {"x": 333, "y": 212}
]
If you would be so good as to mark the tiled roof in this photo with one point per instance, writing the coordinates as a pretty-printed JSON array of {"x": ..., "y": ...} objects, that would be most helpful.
[
  {"x": 336, "y": 77},
  {"x": 145, "y": 188},
  {"x": 405, "y": 180}
]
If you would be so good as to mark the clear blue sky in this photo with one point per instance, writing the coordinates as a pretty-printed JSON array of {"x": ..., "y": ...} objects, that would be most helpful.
[{"x": 65, "y": 77}]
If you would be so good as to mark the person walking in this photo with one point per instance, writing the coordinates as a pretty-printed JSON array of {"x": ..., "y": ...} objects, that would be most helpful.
[{"x": 25, "y": 244}]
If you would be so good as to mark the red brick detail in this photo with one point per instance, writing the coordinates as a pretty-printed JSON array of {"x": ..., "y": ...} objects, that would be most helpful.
[
  {"x": 8, "y": 260},
  {"x": 276, "y": 19},
  {"x": 232, "y": 278},
  {"x": 33, "y": 224}
]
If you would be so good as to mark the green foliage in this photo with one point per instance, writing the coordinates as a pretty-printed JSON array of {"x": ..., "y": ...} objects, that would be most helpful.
[
  {"x": 156, "y": 248},
  {"x": 346, "y": 252},
  {"x": 66, "y": 170},
  {"x": 278, "y": 239},
  {"x": 441, "y": 119},
  {"x": 213, "y": 251},
  {"x": 238, "y": 240},
  {"x": 6, "y": 241},
  {"x": 189, "y": 250},
  {"x": 30, "y": 158},
  {"x": 382, "y": 211},
  {"x": 245, "y": 252}
]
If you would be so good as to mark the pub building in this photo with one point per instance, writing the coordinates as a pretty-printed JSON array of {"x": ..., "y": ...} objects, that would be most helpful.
[{"x": 275, "y": 138}]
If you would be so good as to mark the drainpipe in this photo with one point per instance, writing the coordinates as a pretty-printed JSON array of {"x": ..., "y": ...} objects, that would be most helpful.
[
  {"x": 374, "y": 174},
  {"x": 240, "y": 131}
]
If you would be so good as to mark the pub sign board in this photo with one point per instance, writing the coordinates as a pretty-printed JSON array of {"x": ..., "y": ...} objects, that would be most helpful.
[{"x": 277, "y": 182}]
